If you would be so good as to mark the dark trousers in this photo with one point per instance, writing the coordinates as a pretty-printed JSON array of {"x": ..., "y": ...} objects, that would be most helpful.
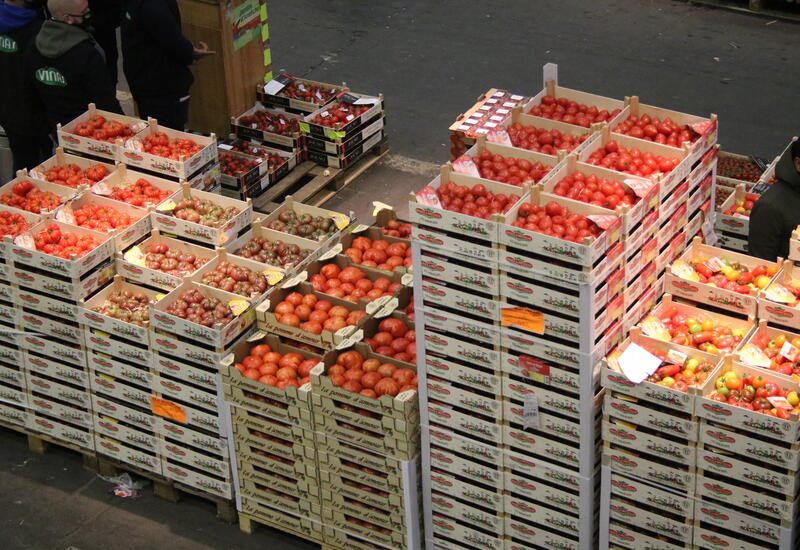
[
  {"x": 29, "y": 151},
  {"x": 106, "y": 38},
  {"x": 169, "y": 111}
]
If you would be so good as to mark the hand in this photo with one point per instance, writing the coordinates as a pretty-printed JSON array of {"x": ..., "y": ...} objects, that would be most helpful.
[{"x": 201, "y": 50}]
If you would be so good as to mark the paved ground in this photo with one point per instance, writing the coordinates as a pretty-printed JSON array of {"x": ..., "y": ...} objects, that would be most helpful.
[{"x": 431, "y": 59}]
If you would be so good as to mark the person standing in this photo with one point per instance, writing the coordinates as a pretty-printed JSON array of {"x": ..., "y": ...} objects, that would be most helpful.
[
  {"x": 777, "y": 213},
  {"x": 22, "y": 115},
  {"x": 156, "y": 58},
  {"x": 67, "y": 68},
  {"x": 106, "y": 19}
]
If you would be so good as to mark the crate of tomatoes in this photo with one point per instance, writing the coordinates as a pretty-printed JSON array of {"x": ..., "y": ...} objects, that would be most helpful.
[
  {"x": 35, "y": 196},
  {"x": 71, "y": 170},
  {"x": 342, "y": 117},
  {"x": 98, "y": 133},
  {"x": 269, "y": 125},
  {"x": 135, "y": 188},
  {"x": 297, "y": 95},
  {"x": 13, "y": 222},
  {"x": 170, "y": 152},
  {"x": 126, "y": 223}
]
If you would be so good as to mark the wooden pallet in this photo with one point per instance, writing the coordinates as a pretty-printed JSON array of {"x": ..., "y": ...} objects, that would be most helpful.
[
  {"x": 167, "y": 489},
  {"x": 39, "y": 443},
  {"x": 763, "y": 8},
  {"x": 249, "y": 524},
  {"x": 313, "y": 184}
]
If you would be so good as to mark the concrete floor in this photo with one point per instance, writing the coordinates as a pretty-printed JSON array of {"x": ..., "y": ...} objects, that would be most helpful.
[{"x": 431, "y": 59}]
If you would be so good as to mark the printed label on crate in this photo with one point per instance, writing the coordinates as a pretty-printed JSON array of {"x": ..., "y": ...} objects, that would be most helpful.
[
  {"x": 523, "y": 318},
  {"x": 638, "y": 491},
  {"x": 168, "y": 409}
]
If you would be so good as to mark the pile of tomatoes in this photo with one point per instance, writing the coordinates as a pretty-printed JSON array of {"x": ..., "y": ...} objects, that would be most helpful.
[
  {"x": 160, "y": 257},
  {"x": 313, "y": 315},
  {"x": 394, "y": 339},
  {"x": 475, "y": 201},
  {"x": 139, "y": 193},
  {"x": 161, "y": 145},
  {"x": 370, "y": 377},
  {"x": 303, "y": 225},
  {"x": 339, "y": 114},
  {"x": 784, "y": 360},
  {"x": 728, "y": 275},
  {"x": 676, "y": 375},
  {"x": 276, "y": 123},
  {"x": 12, "y": 223},
  {"x": 512, "y": 171},
  {"x": 742, "y": 208},
  {"x": 204, "y": 212},
  {"x": 379, "y": 253},
  {"x": 654, "y": 129},
  {"x": 571, "y": 112},
  {"x": 351, "y": 284},
  {"x": 72, "y": 175},
  {"x": 277, "y": 253},
  {"x": 394, "y": 228},
  {"x": 695, "y": 332},
  {"x": 26, "y": 196},
  {"x": 273, "y": 369},
  {"x": 638, "y": 163},
  {"x": 753, "y": 392},
  {"x": 51, "y": 240},
  {"x": 596, "y": 191},
  {"x": 101, "y": 129},
  {"x": 544, "y": 141},
  {"x": 305, "y": 91},
  {"x": 207, "y": 311},
  {"x": 235, "y": 165},
  {"x": 126, "y": 306},
  {"x": 237, "y": 279},
  {"x": 556, "y": 221},
  {"x": 101, "y": 218}
]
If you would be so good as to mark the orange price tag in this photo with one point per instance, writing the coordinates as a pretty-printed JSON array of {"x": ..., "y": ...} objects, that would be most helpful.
[
  {"x": 524, "y": 318},
  {"x": 168, "y": 409}
]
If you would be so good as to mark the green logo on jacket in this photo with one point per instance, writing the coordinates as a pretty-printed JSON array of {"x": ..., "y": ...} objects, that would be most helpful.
[
  {"x": 50, "y": 77},
  {"x": 8, "y": 44}
]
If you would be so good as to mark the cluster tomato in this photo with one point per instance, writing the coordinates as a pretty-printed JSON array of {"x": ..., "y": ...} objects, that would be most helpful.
[
  {"x": 571, "y": 112},
  {"x": 303, "y": 225},
  {"x": 695, "y": 332},
  {"x": 273, "y": 369},
  {"x": 351, "y": 284},
  {"x": 26, "y": 196},
  {"x": 139, "y": 193},
  {"x": 394, "y": 339},
  {"x": 409, "y": 311},
  {"x": 616, "y": 157},
  {"x": 650, "y": 128},
  {"x": 237, "y": 279},
  {"x": 743, "y": 207},
  {"x": 394, "y": 228},
  {"x": 161, "y": 145},
  {"x": 101, "y": 129},
  {"x": 277, "y": 253},
  {"x": 196, "y": 308},
  {"x": 783, "y": 361},
  {"x": 544, "y": 141},
  {"x": 160, "y": 257},
  {"x": 737, "y": 168},
  {"x": 101, "y": 218},
  {"x": 305, "y": 91},
  {"x": 235, "y": 165},
  {"x": 722, "y": 273},
  {"x": 72, "y": 175},
  {"x": 340, "y": 114},
  {"x": 12, "y": 223},
  {"x": 512, "y": 171},
  {"x": 313, "y": 315},
  {"x": 475, "y": 201},
  {"x": 204, "y": 212},
  {"x": 126, "y": 306},
  {"x": 596, "y": 191},
  {"x": 556, "y": 221},
  {"x": 51, "y": 240},
  {"x": 753, "y": 392},
  {"x": 379, "y": 253},
  {"x": 370, "y": 377},
  {"x": 276, "y": 123}
]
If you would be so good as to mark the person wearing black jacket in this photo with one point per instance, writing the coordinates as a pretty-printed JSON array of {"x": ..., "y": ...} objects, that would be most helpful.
[
  {"x": 156, "y": 58},
  {"x": 22, "y": 116},
  {"x": 67, "y": 68},
  {"x": 106, "y": 16},
  {"x": 777, "y": 213}
]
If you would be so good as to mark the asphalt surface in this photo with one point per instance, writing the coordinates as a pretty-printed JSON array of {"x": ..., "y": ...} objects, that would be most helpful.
[{"x": 431, "y": 60}]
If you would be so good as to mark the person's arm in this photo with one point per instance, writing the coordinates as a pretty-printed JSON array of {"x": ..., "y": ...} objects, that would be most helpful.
[
  {"x": 766, "y": 232},
  {"x": 98, "y": 82},
  {"x": 165, "y": 30}
]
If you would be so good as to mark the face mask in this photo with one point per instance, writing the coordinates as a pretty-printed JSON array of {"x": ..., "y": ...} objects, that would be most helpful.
[{"x": 86, "y": 21}]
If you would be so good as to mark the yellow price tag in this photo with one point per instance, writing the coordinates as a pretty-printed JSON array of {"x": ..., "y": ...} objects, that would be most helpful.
[
  {"x": 238, "y": 306},
  {"x": 380, "y": 206},
  {"x": 166, "y": 206},
  {"x": 273, "y": 277},
  {"x": 340, "y": 220}
]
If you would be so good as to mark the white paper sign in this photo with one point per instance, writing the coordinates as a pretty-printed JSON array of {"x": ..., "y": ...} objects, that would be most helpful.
[
  {"x": 637, "y": 363},
  {"x": 677, "y": 357},
  {"x": 530, "y": 411},
  {"x": 789, "y": 351},
  {"x": 779, "y": 402}
]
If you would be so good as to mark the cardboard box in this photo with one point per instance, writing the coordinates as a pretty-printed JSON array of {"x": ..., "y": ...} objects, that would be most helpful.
[
  {"x": 636, "y": 490},
  {"x": 280, "y": 519},
  {"x": 452, "y": 529},
  {"x": 111, "y": 428},
  {"x": 657, "y": 418},
  {"x": 63, "y": 372},
  {"x": 192, "y": 435},
  {"x": 111, "y": 325},
  {"x": 454, "y": 372},
  {"x": 630, "y": 437},
  {"x": 354, "y": 145},
  {"x": 351, "y": 157},
  {"x": 47, "y": 305},
  {"x": 451, "y": 247},
  {"x": 344, "y": 130},
  {"x": 68, "y": 332},
  {"x": 187, "y": 372},
  {"x": 139, "y": 459},
  {"x": 461, "y": 300},
  {"x": 403, "y": 448},
  {"x": 118, "y": 348},
  {"x": 340, "y": 221},
  {"x": 115, "y": 388},
  {"x": 164, "y": 221},
  {"x": 271, "y": 93},
  {"x": 134, "y": 155},
  {"x": 176, "y": 347},
  {"x": 762, "y": 504},
  {"x": 668, "y": 476},
  {"x": 101, "y": 363},
  {"x": 81, "y": 437},
  {"x": 124, "y": 236},
  {"x": 118, "y": 411},
  {"x": 287, "y": 140},
  {"x": 61, "y": 159},
  {"x": 121, "y": 178},
  {"x": 131, "y": 263},
  {"x": 53, "y": 409},
  {"x": 68, "y": 139},
  {"x": 447, "y": 271},
  {"x": 741, "y": 444}
]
